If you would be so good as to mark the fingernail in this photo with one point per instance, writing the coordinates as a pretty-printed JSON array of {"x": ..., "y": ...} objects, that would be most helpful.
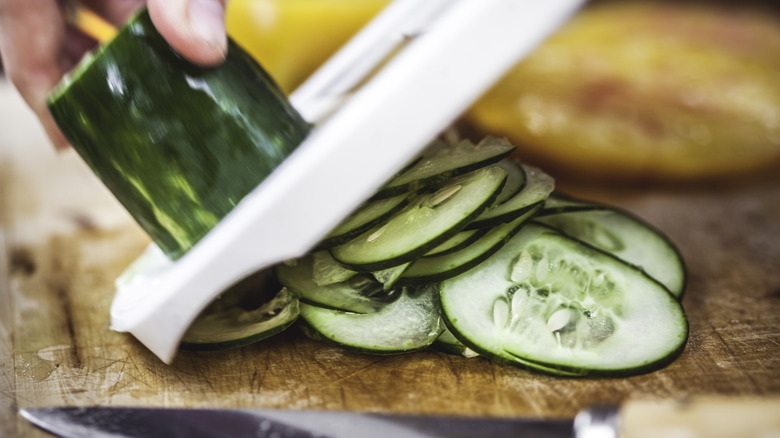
[{"x": 207, "y": 19}]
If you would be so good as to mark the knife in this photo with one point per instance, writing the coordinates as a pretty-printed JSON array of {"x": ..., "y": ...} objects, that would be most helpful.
[
  {"x": 711, "y": 417},
  {"x": 104, "y": 422}
]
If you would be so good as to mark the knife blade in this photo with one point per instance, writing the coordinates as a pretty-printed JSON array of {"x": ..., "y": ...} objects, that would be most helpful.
[{"x": 131, "y": 422}]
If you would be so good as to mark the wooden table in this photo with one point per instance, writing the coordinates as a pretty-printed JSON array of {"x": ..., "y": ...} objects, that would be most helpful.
[{"x": 64, "y": 240}]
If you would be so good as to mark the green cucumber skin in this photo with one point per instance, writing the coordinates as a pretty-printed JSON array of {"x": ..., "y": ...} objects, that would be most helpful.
[
  {"x": 178, "y": 145},
  {"x": 558, "y": 203},
  {"x": 475, "y": 235}
]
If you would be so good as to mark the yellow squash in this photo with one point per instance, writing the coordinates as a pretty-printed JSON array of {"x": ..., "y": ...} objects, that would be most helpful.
[
  {"x": 291, "y": 38},
  {"x": 645, "y": 90}
]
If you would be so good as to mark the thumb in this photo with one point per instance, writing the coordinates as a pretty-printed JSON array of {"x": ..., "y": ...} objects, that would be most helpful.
[{"x": 194, "y": 28}]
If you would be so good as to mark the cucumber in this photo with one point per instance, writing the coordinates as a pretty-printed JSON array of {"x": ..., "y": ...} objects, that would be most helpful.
[
  {"x": 515, "y": 180},
  {"x": 535, "y": 285},
  {"x": 358, "y": 294},
  {"x": 388, "y": 277},
  {"x": 326, "y": 271},
  {"x": 410, "y": 323},
  {"x": 537, "y": 188},
  {"x": 435, "y": 269},
  {"x": 430, "y": 220},
  {"x": 440, "y": 162},
  {"x": 627, "y": 237},
  {"x": 559, "y": 203},
  {"x": 457, "y": 242},
  {"x": 553, "y": 304},
  {"x": 234, "y": 321},
  {"x": 365, "y": 217},
  {"x": 448, "y": 343},
  {"x": 177, "y": 144}
]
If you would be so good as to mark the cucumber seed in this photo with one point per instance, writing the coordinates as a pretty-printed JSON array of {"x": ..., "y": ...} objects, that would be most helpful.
[{"x": 443, "y": 194}]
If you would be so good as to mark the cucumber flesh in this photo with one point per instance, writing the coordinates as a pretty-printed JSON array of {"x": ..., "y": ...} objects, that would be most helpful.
[
  {"x": 410, "y": 323},
  {"x": 550, "y": 302},
  {"x": 537, "y": 188},
  {"x": 427, "y": 222},
  {"x": 627, "y": 237},
  {"x": 441, "y": 162}
]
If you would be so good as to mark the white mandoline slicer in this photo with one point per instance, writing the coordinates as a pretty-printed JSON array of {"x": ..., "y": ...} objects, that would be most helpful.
[{"x": 447, "y": 52}]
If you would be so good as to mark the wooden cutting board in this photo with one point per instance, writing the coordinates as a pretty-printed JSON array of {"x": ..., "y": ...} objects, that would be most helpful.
[{"x": 64, "y": 240}]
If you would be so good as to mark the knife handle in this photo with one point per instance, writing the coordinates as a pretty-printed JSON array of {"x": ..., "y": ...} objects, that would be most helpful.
[{"x": 708, "y": 417}]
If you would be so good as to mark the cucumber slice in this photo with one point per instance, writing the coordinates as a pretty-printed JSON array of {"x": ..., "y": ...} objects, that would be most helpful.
[
  {"x": 430, "y": 220},
  {"x": 515, "y": 180},
  {"x": 448, "y": 343},
  {"x": 388, "y": 277},
  {"x": 628, "y": 238},
  {"x": 326, "y": 271},
  {"x": 177, "y": 144},
  {"x": 554, "y": 304},
  {"x": 410, "y": 323},
  {"x": 441, "y": 162},
  {"x": 558, "y": 203},
  {"x": 368, "y": 215},
  {"x": 226, "y": 323},
  {"x": 537, "y": 188},
  {"x": 457, "y": 242},
  {"x": 359, "y": 294},
  {"x": 435, "y": 269}
]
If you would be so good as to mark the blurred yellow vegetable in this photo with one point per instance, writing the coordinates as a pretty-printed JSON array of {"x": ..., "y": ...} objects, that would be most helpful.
[
  {"x": 646, "y": 91},
  {"x": 291, "y": 38},
  {"x": 628, "y": 90}
]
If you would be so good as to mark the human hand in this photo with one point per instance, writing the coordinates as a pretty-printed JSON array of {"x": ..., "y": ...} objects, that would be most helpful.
[{"x": 37, "y": 47}]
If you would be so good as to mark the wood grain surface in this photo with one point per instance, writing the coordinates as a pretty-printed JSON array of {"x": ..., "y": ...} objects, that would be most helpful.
[{"x": 63, "y": 241}]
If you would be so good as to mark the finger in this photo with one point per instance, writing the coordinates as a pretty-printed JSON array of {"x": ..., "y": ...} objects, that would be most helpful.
[
  {"x": 34, "y": 61},
  {"x": 194, "y": 28}
]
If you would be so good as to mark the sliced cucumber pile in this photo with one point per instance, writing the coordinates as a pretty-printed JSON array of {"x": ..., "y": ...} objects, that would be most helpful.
[{"x": 473, "y": 254}]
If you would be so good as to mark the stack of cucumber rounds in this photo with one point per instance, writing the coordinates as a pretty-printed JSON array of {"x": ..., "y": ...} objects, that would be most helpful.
[{"x": 474, "y": 254}]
